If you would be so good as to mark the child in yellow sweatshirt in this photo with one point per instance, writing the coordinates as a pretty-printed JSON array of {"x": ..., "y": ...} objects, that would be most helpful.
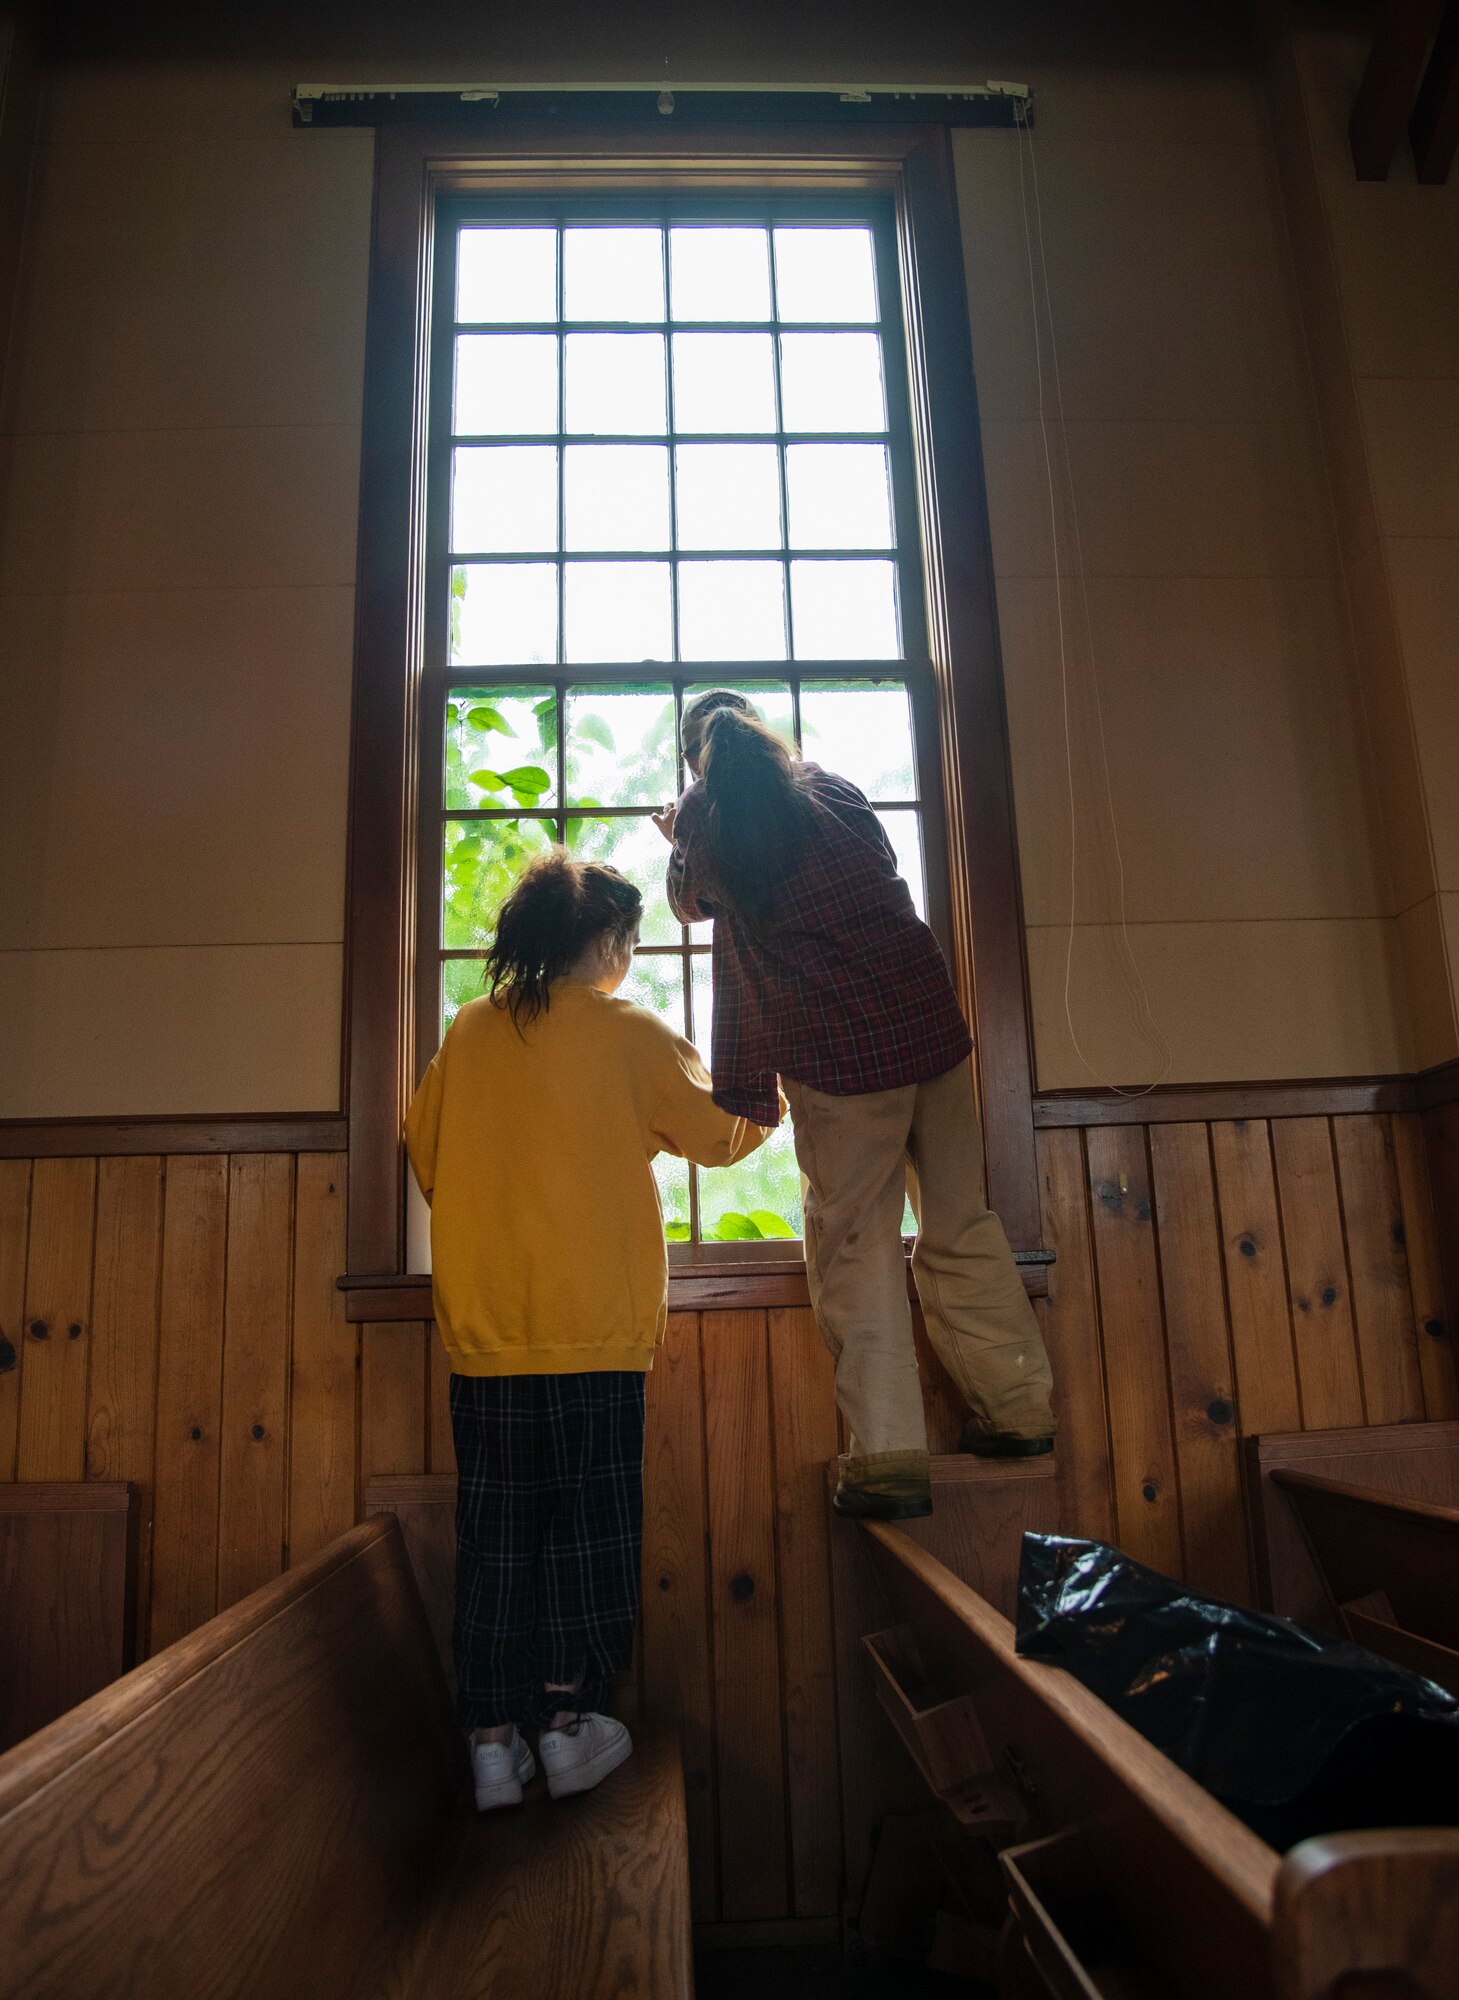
[{"x": 531, "y": 1136}]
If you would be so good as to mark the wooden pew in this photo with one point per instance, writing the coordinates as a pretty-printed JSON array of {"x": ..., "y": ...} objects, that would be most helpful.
[
  {"x": 1127, "y": 1880},
  {"x": 67, "y": 1576},
  {"x": 279, "y": 1806},
  {"x": 1359, "y": 1532}
]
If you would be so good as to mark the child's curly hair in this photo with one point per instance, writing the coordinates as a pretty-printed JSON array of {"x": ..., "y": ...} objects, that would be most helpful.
[{"x": 559, "y": 909}]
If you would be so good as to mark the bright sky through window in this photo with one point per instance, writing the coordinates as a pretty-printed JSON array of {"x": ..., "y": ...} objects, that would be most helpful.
[{"x": 668, "y": 466}]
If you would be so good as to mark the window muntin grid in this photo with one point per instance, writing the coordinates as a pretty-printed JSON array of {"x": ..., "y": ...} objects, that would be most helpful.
[{"x": 619, "y": 560}]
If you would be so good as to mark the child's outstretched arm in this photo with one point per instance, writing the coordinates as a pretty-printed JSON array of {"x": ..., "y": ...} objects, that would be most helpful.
[{"x": 687, "y": 1120}]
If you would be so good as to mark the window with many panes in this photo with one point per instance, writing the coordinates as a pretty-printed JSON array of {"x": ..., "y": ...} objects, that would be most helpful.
[{"x": 667, "y": 454}]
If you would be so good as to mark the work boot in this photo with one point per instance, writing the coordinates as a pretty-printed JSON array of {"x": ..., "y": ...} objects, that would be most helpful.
[{"x": 998, "y": 1444}]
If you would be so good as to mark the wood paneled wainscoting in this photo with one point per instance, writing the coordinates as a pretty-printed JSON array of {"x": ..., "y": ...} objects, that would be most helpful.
[{"x": 173, "y": 1320}]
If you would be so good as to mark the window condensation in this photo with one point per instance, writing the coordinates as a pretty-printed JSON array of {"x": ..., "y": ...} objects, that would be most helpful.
[{"x": 667, "y": 468}]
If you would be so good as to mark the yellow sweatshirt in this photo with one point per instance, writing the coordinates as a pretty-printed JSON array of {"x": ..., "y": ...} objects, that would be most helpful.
[{"x": 533, "y": 1149}]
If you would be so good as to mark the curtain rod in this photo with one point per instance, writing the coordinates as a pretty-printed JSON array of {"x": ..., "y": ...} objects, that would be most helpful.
[{"x": 985, "y": 104}]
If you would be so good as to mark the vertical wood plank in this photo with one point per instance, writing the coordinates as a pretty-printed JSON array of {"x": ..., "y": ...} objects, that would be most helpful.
[
  {"x": 14, "y": 1239},
  {"x": 1431, "y": 1316},
  {"x": 1317, "y": 1280},
  {"x": 324, "y": 1381},
  {"x": 189, "y": 1396},
  {"x": 751, "y": 1770},
  {"x": 1441, "y": 1147},
  {"x": 393, "y": 1397},
  {"x": 1147, "y": 1508},
  {"x": 678, "y": 1682},
  {"x": 256, "y": 1318},
  {"x": 52, "y": 1441},
  {"x": 1372, "y": 1213},
  {"x": 1070, "y": 1324},
  {"x": 1256, "y": 1278},
  {"x": 440, "y": 1450},
  {"x": 803, "y": 1426},
  {"x": 122, "y": 1403},
  {"x": 1207, "y": 1452}
]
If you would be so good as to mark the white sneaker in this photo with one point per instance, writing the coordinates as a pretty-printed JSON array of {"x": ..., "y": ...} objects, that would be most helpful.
[
  {"x": 581, "y": 1756},
  {"x": 500, "y": 1770}
]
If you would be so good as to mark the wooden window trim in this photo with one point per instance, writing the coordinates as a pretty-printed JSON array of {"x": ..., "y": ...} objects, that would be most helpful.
[{"x": 913, "y": 164}]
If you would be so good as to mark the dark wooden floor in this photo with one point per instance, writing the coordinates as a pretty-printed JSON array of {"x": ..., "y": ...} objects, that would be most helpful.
[{"x": 820, "y": 1973}]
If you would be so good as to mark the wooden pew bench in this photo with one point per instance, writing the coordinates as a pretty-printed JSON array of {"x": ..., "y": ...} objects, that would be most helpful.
[
  {"x": 1360, "y": 1533},
  {"x": 1127, "y": 1880},
  {"x": 279, "y": 1806}
]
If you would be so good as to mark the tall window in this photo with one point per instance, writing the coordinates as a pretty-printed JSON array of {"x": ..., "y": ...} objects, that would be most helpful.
[{"x": 668, "y": 453}]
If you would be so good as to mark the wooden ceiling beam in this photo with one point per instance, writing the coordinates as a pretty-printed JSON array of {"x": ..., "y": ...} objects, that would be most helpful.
[
  {"x": 1390, "y": 83},
  {"x": 1434, "y": 128}
]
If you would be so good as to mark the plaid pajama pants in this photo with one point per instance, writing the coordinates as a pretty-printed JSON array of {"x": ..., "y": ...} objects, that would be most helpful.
[{"x": 549, "y": 1528}]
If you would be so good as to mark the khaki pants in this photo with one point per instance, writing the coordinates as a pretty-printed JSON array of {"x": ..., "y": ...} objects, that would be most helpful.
[{"x": 860, "y": 1155}]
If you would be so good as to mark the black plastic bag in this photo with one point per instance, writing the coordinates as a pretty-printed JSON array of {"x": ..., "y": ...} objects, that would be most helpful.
[{"x": 1297, "y": 1731}]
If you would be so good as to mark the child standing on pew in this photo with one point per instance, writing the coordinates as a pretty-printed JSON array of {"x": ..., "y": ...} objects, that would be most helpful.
[{"x": 531, "y": 1136}]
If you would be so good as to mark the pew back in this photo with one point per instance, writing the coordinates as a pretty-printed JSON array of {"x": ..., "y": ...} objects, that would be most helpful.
[
  {"x": 1366, "y": 1541},
  {"x": 285, "y": 1774},
  {"x": 1182, "y": 1874},
  {"x": 1129, "y": 1880},
  {"x": 1411, "y": 1461}
]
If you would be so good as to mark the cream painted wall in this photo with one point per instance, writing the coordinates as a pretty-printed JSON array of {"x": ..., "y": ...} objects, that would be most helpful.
[
  {"x": 1190, "y": 480},
  {"x": 1378, "y": 265},
  {"x": 176, "y": 566},
  {"x": 177, "y": 549}
]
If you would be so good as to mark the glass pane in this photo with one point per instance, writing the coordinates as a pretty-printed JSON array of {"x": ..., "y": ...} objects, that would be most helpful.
[
  {"x": 840, "y": 496},
  {"x": 657, "y": 982},
  {"x": 504, "y": 614},
  {"x": 637, "y": 849},
  {"x": 731, "y": 611},
  {"x": 506, "y": 384},
  {"x": 612, "y": 274},
  {"x": 845, "y": 610},
  {"x": 701, "y": 981},
  {"x": 831, "y": 382},
  {"x": 616, "y": 496},
  {"x": 760, "y": 1198},
  {"x": 482, "y": 859},
  {"x": 620, "y": 746},
  {"x": 719, "y": 273},
  {"x": 904, "y": 831},
  {"x": 506, "y": 274},
  {"x": 724, "y": 382},
  {"x": 615, "y": 383},
  {"x": 672, "y": 1176},
  {"x": 618, "y": 612},
  {"x": 864, "y": 733},
  {"x": 825, "y": 274},
  {"x": 503, "y": 498},
  {"x": 728, "y": 496},
  {"x": 757, "y": 1201},
  {"x": 501, "y": 747},
  {"x": 464, "y": 980}
]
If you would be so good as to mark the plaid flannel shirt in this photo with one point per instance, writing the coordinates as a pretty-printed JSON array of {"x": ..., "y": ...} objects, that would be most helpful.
[{"x": 844, "y": 988}]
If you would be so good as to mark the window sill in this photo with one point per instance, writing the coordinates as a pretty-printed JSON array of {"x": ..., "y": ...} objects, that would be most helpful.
[{"x": 718, "y": 1284}]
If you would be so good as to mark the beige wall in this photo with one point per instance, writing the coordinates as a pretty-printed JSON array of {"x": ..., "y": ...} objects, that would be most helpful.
[
  {"x": 1378, "y": 266},
  {"x": 177, "y": 534},
  {"x": 176, "y": 562},
  {"x": 1190, "y": 478}
]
